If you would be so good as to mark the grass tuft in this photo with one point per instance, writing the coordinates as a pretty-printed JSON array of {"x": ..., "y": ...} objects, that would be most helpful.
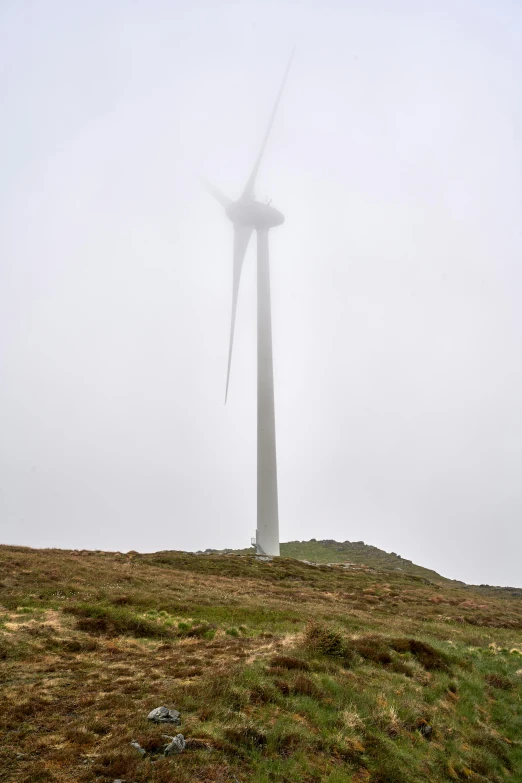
[
  {"x": 324, "y": 640},
  {"x": 107, "y": 621},
  {"x": 289, "y": 662}
]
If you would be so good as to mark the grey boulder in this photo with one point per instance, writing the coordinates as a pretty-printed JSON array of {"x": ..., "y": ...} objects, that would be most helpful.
[
  {"x": 164, "y": 715},
  {"x": 176, "y": 745}
]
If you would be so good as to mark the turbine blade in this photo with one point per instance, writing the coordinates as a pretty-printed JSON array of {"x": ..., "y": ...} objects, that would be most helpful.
[
  {"x": 249, "y": 187},
  {"x": 242, "y": 236},
  {"x": 225, "y": 201}
]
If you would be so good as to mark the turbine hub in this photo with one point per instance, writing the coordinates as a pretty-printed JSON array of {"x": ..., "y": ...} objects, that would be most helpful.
[{"x": 254, "y": 213}]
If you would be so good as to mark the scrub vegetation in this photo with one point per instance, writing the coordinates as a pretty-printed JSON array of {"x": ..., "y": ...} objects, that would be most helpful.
[
  {"x": 355, "y": 552},
  {"x": 282, "y": 670}
]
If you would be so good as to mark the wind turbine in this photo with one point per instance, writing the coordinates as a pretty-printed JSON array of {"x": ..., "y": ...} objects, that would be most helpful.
[{"x": 248, "y": 215}]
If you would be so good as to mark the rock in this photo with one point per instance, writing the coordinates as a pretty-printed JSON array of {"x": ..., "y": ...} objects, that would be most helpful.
[
  {"x": 426, "y": 730},
  {"x": 138, "y": 747},
  {"x": 164, "y": 715},
  {"x": 176, "y": 745}
]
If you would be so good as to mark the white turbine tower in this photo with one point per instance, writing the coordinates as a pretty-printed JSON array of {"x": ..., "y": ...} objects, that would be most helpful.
[{"x": 248, "y": 215}]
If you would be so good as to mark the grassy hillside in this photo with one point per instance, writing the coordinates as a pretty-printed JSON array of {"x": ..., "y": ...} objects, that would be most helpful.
[
  {"x": 282, "y": 671},
  {"x": 357, "y": 553}
]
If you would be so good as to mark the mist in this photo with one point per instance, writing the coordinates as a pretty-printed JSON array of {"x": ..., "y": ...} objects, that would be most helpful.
[{"x": 396, "y": 278}]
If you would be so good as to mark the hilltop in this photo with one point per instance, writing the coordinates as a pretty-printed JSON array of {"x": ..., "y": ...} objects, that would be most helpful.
[
  {"x": 355, "y": 553},
  {"x": 282, "y": 670}
]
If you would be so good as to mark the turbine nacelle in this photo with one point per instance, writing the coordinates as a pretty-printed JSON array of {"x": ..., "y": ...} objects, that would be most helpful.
[{"x": 254, "y": 214}]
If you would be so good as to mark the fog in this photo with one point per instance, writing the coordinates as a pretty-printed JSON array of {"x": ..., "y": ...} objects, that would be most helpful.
[{"x": 396, "y": 279}]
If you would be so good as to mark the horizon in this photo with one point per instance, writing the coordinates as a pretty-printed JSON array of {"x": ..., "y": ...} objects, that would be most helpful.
[{"x": 240, "y": 552}]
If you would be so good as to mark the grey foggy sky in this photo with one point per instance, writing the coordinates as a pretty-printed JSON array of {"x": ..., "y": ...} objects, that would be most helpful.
[{"x": 396, "y": 279}]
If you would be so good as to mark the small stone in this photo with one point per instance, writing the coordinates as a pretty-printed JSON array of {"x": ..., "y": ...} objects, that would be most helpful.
[
  {"x": 164, "y": 715},
  {"x": 138, "y": 747},
  {"x": 426, "y": 730},
  {"x": 176, "y": 745}
]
